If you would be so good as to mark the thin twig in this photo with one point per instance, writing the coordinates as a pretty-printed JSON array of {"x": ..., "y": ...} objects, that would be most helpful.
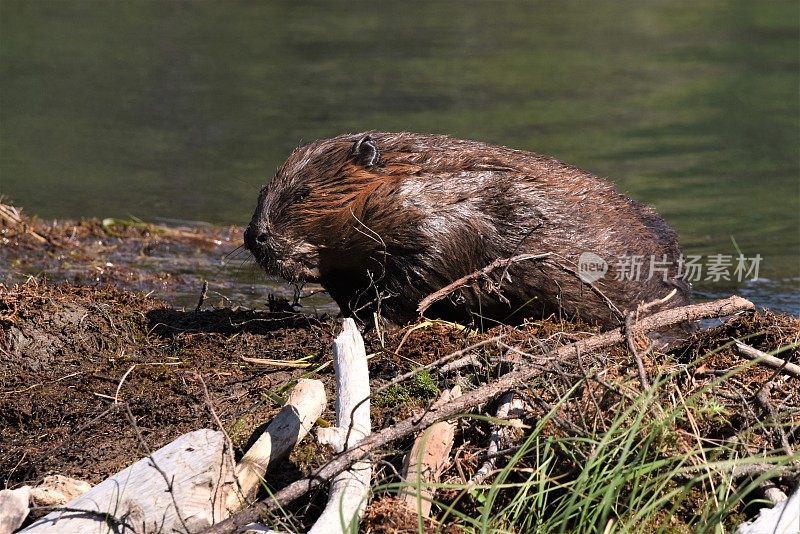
[
  {"x": 121, "y": 381},
  {"x": 228, "y": 441},
  {"x": 631, "y": 342},
  {"x": 113, "y": 522},
  {"x": 128, "y": 372},
  {"x": 468, "y": 279},
  {"x": 657, "y": 302},
  {"x": 435, "y": 363},
  {"x": 203, "y": 295},
  {"x": 630, "y": 335},
  {"x": 762, "y": 357},
  {"x": 762, "y": 398}
]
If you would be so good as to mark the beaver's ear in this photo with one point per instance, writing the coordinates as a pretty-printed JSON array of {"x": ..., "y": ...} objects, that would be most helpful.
[{"x": 365, "y": 152}]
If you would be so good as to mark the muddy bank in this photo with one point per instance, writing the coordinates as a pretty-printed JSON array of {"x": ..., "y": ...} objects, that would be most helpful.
[
  {"x": 70, "y": 354},
  {"x": 169, "y": 262},
  {"x": 73, "y": 352}
]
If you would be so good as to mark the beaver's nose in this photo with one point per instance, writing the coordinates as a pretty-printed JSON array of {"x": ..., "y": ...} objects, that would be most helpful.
[{"x": 256, "y": 240}]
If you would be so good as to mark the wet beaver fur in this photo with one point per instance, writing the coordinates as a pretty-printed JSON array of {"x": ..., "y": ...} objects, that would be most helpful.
[{"x": 382, "y": 220}]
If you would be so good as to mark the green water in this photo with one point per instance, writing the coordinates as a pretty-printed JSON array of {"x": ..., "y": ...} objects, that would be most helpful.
[{"x": 181, "y": 110}]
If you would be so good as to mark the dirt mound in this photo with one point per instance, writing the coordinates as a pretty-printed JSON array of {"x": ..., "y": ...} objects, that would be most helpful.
[{"x": 71, "y": 353}]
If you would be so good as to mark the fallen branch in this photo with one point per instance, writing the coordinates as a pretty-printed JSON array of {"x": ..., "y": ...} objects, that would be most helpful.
[
  {"x": 349, "y": 489},
  {"x": 472, "y": 399},
  {"x": 762, "y": 357}
]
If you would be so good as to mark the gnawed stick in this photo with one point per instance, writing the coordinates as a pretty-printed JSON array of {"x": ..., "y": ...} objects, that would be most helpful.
[
  {"x": 464, "y": 361},
  {"x": 426, "y": 460},
  {"x": 349, "y": 489},
  {"x": 474, "y": 398},
  {"x": 305, "y": 404}
]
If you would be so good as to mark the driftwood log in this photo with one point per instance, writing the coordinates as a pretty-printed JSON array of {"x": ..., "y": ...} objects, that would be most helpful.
[
  {"x": 178, "y": 488},
  {"x": 474, "y": 398}
]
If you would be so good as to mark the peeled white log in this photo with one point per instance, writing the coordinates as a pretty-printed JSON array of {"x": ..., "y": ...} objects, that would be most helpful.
[
  {"x": 305, "y": 404},
  {"x": 58, "y": 490},
  {"x": 138, "y": 498},
  {"x": 427, "y": 459},
  {"x": 783, "y": 518},
  {"x": 13, "y": 508},
  {"x": 349, "y": 490}
]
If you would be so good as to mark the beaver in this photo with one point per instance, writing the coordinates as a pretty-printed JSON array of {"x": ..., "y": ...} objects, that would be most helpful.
[{"x": 383, "y": 220}]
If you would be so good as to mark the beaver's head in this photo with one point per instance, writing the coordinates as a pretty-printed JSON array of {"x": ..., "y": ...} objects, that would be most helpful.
[{"x": 310, "y": 205}]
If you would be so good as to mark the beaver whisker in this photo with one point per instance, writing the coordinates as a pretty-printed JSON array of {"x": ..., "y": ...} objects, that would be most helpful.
[{"x": 241, "y": 249}]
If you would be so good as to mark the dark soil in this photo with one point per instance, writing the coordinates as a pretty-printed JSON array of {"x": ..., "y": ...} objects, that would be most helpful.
[{"x": 75, "y": 353}]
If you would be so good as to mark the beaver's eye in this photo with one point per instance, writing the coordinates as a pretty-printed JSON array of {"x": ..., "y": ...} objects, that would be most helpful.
[{"x": 301, "y": 195}]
